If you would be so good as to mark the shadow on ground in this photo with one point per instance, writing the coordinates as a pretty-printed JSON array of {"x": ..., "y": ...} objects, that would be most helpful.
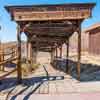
[
  {"x": 10, "y": 84},
  {"x": 10, "y": 65},
  {"x": 89, "y": 72}
]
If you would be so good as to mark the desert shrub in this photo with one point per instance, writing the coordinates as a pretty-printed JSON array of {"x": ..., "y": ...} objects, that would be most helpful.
[
  {"x": 35, "y": 66},
  {"x": 28, "y": 68}
]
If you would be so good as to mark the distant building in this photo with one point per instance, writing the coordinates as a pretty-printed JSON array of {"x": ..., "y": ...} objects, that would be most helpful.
[
  {"x": 94, "y": 39},
  {"x": 74, "y": 43}
]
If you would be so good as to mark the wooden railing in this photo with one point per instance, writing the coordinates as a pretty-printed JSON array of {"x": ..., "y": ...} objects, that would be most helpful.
[
  {"x": 7, "y": 54},
  {"x": 5, "y": 57}
]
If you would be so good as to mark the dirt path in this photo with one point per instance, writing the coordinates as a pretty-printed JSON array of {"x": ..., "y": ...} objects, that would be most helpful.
[{"x": 45, "y": 80}]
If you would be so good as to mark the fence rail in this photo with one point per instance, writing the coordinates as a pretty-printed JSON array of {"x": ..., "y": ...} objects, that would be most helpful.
[{"x": 8, "y": 56}]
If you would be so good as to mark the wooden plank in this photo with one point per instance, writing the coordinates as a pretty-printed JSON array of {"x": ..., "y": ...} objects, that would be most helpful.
[
  {"x": 51, "y": 15},
  {"x": 6, "y": 54},
  {"x": 51, "y": 24},
  {"x": 50, "y": 30},
  {"x": 46, "y": 39},
  {"x": 51, "y": 7},
  {"x": 8, "y": 60},
  {"x": 44, "y": 44}
]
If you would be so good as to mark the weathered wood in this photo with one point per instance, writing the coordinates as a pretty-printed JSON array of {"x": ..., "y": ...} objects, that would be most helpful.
[
  {"x": 0, "y": 54},
  {"x": 79, "y": 51},
  {"x": 30, "y": 55},
  {"x": 43, "y": 44},
  {"x": 49, "y": 7},
  {"x": 67, "y": 57},
  {"x": 50, "y": 12},
  {"x": 35, "y": 38},
  {"x": 27, "y": 48},
  {"x": 35, "y": 55},
  {"x": 19, "y": 70},
  {"x": 60, "y": 49},
  {"x": 8, "y": 60},
  {"x": 51, "y": 15},
  {"x": 52, "y": 56},
  {"x": 3, "y": 60},
  {"x": 56, "y": 52},
  {"x": 65, "y": 23},
  {"x": 53, "y": 31}
]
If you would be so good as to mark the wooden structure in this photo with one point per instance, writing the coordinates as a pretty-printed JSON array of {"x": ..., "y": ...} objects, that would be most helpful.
[
  {"x": 94, "y": 39},
  {"x": 47, "y": 27},
  {"x": 7, "y": 54}
]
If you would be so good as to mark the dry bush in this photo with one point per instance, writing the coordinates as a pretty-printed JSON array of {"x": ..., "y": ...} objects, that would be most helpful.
[{"x": 28, "y": 68}]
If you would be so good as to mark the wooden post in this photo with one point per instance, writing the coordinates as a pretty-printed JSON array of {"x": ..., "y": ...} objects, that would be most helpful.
[
  {"x": 3, "y": 69},
  {"x": 27, "y": 49},
  {"x": 52, "y": 55},
  {"x": 0, "y": 54},
  {"x": 56, "y": 53},
  {"x": 35, "y": 55},
  {"x": 30, "y": 53},
  {"x": 67, "y": 57},
  {"x": 19, "y": 70},
  {"x": 0, "y": 60},
  {"x": 79, "y": 52},
  {"x": 60, "y": 51}
]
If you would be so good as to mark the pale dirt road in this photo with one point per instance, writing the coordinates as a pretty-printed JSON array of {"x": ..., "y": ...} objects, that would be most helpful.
[{"x": 57, "y": 86}]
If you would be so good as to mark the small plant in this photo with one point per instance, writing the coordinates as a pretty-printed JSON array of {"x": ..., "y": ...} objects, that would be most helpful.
[
  {"x": 28, "y": 68},
  {"x": 35, "y": 66}
]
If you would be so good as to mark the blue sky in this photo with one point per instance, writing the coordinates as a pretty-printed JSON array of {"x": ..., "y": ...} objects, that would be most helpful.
[{"x": 8, "y": 30}]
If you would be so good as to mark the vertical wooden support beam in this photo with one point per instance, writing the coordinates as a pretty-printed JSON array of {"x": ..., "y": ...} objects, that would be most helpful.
[
  {"x": 30, "y": 53},
  {"x": 3, "y": 60},
  {"x": 19, "y": 70},
  {"x": 13, "y": 54},
  {"x": 60, "y": 51},
  {"x": 52, "y": 55},
  {"x": 27, "y": 49},
  {"x": 67, "y": 57},
  {"x": 0, "y": 60},
  {"x": 0, "y": 54},
  {"x": 56, "y": 52},
  {"x": 79, "y": 51},
  {"x": 34, "y": 55}
]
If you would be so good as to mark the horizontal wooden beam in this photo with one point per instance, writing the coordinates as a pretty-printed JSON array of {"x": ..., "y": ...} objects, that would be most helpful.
[
  {"x": 42, "y": 45},
  {"x": 61, "y": 31},
  {"x": 46, "y": 43},
  {"x": 51, "y": 15},
  {"x": 49, "y": 24},
  {"x": 34, "y": 38},
  {"x": 44, "y": 49}
]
